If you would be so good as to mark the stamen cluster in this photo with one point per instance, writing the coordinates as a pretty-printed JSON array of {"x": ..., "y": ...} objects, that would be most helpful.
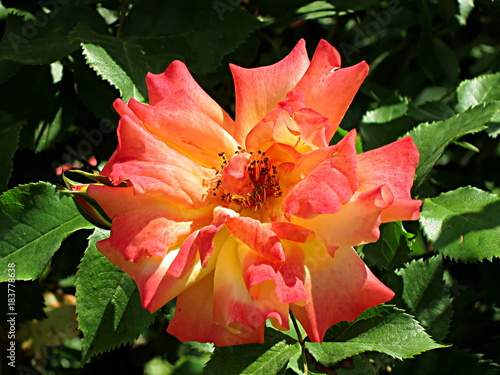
[{"x": 263, "y": 181}]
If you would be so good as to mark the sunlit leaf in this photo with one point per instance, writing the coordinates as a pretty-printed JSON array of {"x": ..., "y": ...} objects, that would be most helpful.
[
  {"x": 433, "y": 138},
  {"x": 426, "y": 295},
  {"x": 383, "y": 329},
  {"x": 463, "y": 224},
  {"x": 34, "y": 220},
  {"x": 256, "y": 359},
  {"x": 108, "y": 304}
]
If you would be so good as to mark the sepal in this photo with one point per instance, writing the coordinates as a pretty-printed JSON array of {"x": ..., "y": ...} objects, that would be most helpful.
[{"x": 87, "y": 206}]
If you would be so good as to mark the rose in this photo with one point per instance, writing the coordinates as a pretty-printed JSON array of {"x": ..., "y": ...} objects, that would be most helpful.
[{"x": 250, "y": 219}]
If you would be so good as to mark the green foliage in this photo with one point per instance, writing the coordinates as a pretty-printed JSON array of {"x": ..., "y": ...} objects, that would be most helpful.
[
  {"x": 450, "y": 361},
  {"x": 484, "y": 88},
  {"x": 108, "y": 56},
  {"x": 34, "y": 219},
  {"x": 464, "y": 7},
  {"x": 108, "y": 304},
  {"x": 433, "y": 75},
  {"x": 268, "y": 358},
  {"x": 463, "y": 224},
  {"x": 391, "y": 250},
  {"x": 9, "y": 138},
  {"x": 383, "y": 329},
  {"x": 386, "y": 113},
  {"x": 385, "y": 124},
  {"x": 161, "y": 30},
  {"x": 432, "y": 138},
  {"x": 43, "y": 39},
  {"x": 426, "y": 296}
]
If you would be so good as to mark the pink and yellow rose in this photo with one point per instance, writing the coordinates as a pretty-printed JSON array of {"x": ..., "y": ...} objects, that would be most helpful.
[{"x": 250, "y": 219}]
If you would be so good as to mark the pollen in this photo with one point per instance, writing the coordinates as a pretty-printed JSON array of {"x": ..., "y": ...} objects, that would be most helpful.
[{"x": 259, "y": 181}]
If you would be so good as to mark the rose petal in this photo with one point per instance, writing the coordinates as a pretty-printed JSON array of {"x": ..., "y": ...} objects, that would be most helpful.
[
  {"x": 176, "y": 118},
  {"x": 156, "y": 288},
  {"x": 314, "y": 128},
  {"x": 340, "y": 288},
  {"x": 152, "y": 166},
  {"x": 194, "y": 319},
  {"x": 276, "y": 127},
  {"x": 233, "y": 305},
  {"x": 326, "y": 180},
  {"x": 149, "y": 232},
  {"x": 287, "y": 276},
  {"x": 200, "y": 242},
  {"x": 177, "y": 78},
  {"x": 290, "y": 232},
  {"x": 257, "y": 237},
  {"x": 328, "y": 89},
  {"x": 356, "y": 223},
  {"x": 280, "y": 153},
  {"x": 258, "y": 90},
  {"x": 393, "y": 165}
]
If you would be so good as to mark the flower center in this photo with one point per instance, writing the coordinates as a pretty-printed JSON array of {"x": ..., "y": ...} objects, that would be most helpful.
[{"x": 246, "y": 179}]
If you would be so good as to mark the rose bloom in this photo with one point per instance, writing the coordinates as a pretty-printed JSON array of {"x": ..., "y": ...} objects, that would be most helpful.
[{"x": 246, "y": 220}]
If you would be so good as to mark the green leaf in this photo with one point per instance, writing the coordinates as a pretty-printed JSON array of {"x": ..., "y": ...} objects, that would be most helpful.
[
  {"x": 34, "y": 220},
  {"x": 33, "y": 80},
  {"x": 384, "y": 329},
  {"x": 494, "y": 129},
  {"x": 108, "y": 303},
  {"x": 431, "y": 111},
  {"x": 450, "y": 361},
  {"x": 47, "y": 133},
  {"x": 484, "y": 88},
  {"x": 44, "y": 39},
  {"x": 378, "y": 135},
  {"x": 106, "y": 55},
  {"x": 464, "y": 7},
  {"x": 170, "y": 27},
  {"x": 124, "y": 64},
  {"x": 104, "y": 65},
  {"x": 316, "y": 9},
  {"x": 437, "y": 59},
  {"x": 385, "y": 124},
  {"x": 386, "y": 113},
  {"x": 257, "y": 359},
  {"x": 296, "y": 364},
  {"x": 87, "y": 83},
  {"x": 391, "y": 250},
  {"x": 432, "y": 138},
  {"x": 463, "y": 224},
  {"x": 9, "y": 139},
  {"x": 426, "y": 296},
  {"x": 364, "y": 365},
  {"x": 354, "y": 5}
]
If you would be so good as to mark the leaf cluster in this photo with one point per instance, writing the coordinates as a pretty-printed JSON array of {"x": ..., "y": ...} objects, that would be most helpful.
[{"x": 434, "y": 75}]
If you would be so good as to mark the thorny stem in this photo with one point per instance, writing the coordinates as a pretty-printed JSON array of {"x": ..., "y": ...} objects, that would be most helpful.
[{"x": 301, "y": 341}]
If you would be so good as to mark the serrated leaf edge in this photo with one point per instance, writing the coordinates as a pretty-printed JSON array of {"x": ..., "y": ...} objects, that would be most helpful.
[
  {"x": 87, "y": 354},
  {"x": 395, "y": 309}
]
